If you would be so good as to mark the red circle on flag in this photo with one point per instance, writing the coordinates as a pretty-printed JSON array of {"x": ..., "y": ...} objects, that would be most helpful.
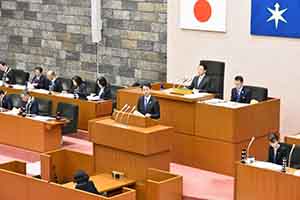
[{"x": 202, "y": 10}]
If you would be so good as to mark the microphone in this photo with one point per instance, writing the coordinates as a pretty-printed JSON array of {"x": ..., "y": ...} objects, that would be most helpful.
[
  {"x": 130, "y": 112},
  {"x": 290, "y": 155},
  {"x": 123, "y": 113},
  {"x": 249, "y": 146},
  {"x": 118, "y": 113}
]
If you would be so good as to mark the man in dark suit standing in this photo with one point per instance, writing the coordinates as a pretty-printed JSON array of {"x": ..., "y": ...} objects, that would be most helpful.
[
  {"x": 240, "y": 93},
  {"x": 147, "y": 104},
  {"x": 39, "y": 81},
  {"x": 5, "y": 101},
  {"x": 54, "y": 85},
  {"x": 201, "y": 82},
  {"x": 8, "y": 76},
  {"x": 277, "y": 151},
  {"x": 29, "y": 104}
]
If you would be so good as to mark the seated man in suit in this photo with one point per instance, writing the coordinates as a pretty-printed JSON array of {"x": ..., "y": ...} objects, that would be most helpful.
[
  {"x": 8, "y": 74},
  {"x": 240, "y": 93},
  {"x": 39, "y": 81},
  {"x": 5, "y": 101},
  {"x": 29, "y": 104},
  {"x": 201, "y": 82},
  {"x": 147, "y": 104},
  {"x": 103, "y": 89},
  {"x": 83, "y": 183},
  {"x": 277, "y": 151},
  {"x": 54, "y": 85},
  {"x": 79, "y": 88}
]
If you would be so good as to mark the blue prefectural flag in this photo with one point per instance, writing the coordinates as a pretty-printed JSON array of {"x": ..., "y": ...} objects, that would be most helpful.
[{"x": 276, "y": 18}]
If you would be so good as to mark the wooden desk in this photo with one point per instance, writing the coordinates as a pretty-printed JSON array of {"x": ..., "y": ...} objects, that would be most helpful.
[
  {"x": 30, "y": 133},
  {"x": 105, "y": 183},
  {"x": 292, "y": 139},
  {"x": 87, "y": 109},
  {"x": 265, "y": 184}
]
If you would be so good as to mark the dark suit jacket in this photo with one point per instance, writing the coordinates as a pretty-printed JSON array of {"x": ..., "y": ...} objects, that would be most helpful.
[
  {"x": 204, "y": 86},
  {"x": 57, "y": 87},
  {"x": 7, "y": 103},
  {"x": 41, "y": 82},
  {"x": 152, "y": 107},
  {"x": 9, "y": 77},
  {"x": 81, "y": 91},
  {"x": 245, "y": 96},
  {"x": 282, "y": 152},
  {"x": 31, "y": 108},
  {"x": 87, "y": 187},
  {"x": 106, "y": 95}
]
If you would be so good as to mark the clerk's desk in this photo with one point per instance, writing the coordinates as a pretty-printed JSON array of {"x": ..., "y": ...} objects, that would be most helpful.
[
  {"x": 37, "y": 133},
  {"x": 208, "y": 133},
  {"x": 87, "y": 109},
  {"x": 261, "y": 181}
]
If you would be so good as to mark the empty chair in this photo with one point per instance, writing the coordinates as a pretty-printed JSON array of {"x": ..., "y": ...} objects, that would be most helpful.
[
  {"x": 21, "y": 76},
  {"x": 70, "y": 112},
  {"x": 114, "y": 91},
  {"x": 295, "y": 158},
  {"x": 91, "y": 87},
  {"x": 45, "y": 106},
  {"x": 66, "y": 84},
  {"x": 215, "y": 70},
  {"x": 258, "y": 93},
  {"x": 16, "y": 100}
]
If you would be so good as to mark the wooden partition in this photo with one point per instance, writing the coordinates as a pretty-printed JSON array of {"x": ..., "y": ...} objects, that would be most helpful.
[
  {"x": 59, "y": 166},
  {"x": 14, "y": 166}
]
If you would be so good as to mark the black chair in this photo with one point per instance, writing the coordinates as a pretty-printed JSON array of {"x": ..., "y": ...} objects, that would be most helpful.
[
  {"x": 45, "y": 106},
  {"x": 295, "y": 158},
  {"x": 70, "y": 112},
  {"x": 66, "y": 84},
  {"x": 21, "y": 76},
  {"x": 258, "y": 93},
  {"x": 215, "y": 70},
  {"x": 16, "y": 100},
  {"x": 91, "y": 87},
  {"x": 114, "y": 91}
]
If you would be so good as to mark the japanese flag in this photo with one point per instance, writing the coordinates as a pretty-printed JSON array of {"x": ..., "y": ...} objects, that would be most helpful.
[{"x": 209, "y": 15}]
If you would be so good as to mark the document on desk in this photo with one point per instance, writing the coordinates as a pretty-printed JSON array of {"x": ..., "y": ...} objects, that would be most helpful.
[
  {"x": 42, "y": 118},
  {"x": 224, "y": 103},
  {"x": 266, "y": 165},
  {"x": 67, "y": 95},
  {"x": 188, "y": 96},
  {"x": 93, "y": 98},
  {"x": 40, "y": 91},
  {"x": 19, "y": 87}
]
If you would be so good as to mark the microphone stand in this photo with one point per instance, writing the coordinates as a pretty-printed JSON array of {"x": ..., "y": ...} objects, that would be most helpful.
[
  {"x": 249, "y": 146},
  {"x": 130, "y": 112},
  {"x": 290, "y": 155},
  {"x": 118, "y": 113},
  {"x": 123, "y": 113}
]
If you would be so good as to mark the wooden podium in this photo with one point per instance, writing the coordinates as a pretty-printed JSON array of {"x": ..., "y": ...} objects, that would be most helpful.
[
  {"x": 262, "y": 183},
  {"x": 29, "y": 133},
  {"x": 87, "y": 109},
  {"x": 140, "y": 144},
  {"x": 209, "y": 136}
]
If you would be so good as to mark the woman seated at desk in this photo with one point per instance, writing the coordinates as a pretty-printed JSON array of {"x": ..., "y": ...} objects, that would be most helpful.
[
  {"x": 103, "y": 90},
  {"x": 79, "y": 88}
]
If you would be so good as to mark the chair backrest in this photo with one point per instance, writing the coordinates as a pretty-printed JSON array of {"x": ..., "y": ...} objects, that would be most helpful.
[
  {"x": 21, "y": 76},
  {"x": 114, "y": 91},
  {"x": 66, "y": 84},
  {"x": 91, "y": 87},
  {"x": 70, "y": 112},
  {"x": 295, "y": 158},
  {"x": 215, "y": 70},
  {"x": 16, "y": 100},
  {"x": 45, "y": 106},
  {"x": 258, "y": 93}
]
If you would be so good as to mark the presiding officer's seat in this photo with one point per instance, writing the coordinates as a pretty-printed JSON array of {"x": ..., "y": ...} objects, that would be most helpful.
[
  {"x": 66, "y": 84},
  {"x": 258, "y": 93},
  {"x": 45, "y": 106},
  {"x": 21, "y": 76},
  {"x": 16, "y": 100},
  {"x": 70, "y": 112},
  {"x": 215, "y": 70}
]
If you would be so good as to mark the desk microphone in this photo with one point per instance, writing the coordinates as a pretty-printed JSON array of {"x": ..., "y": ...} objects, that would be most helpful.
[
  {"x": 290, "y": 155},
  {"x": 118, "y": 113},
  {"x": 123, "y": 113},
  {"x": 249, "y": 146},
  {"x": 129, "y": 114}
]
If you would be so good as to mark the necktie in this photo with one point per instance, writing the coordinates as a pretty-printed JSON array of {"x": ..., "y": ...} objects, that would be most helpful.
[
  {"x": 238, "y": 95},
  {"x": 199, "y": 82},
  {"x": 145, "y": 104},
  {"x": 274, "y": 158}
]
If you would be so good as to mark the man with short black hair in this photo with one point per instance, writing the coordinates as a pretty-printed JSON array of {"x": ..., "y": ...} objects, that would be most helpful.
[
  {"x": 29, "y": 104},
  {"x": 147, "y": 104},
  {"x": 7, "y": 74},
  {"x": 39, "y": 80},
  {"x": 239, "y": 93},
  {"x": 5, "y": 101},
  {"x": 277, "y": 151},
  {"x": 201, "y": 81}
]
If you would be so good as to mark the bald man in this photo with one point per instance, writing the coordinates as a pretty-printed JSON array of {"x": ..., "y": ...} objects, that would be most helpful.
[{"x": 54, "y": 85}]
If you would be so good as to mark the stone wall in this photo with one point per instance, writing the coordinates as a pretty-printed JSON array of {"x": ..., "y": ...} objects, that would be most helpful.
[{"x": 56, "y": 34}]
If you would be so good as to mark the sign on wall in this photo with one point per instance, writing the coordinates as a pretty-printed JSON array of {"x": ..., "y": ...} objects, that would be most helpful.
[
  {"x": 275, "y": 18},
  {"x": 208, "y": 15}
]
